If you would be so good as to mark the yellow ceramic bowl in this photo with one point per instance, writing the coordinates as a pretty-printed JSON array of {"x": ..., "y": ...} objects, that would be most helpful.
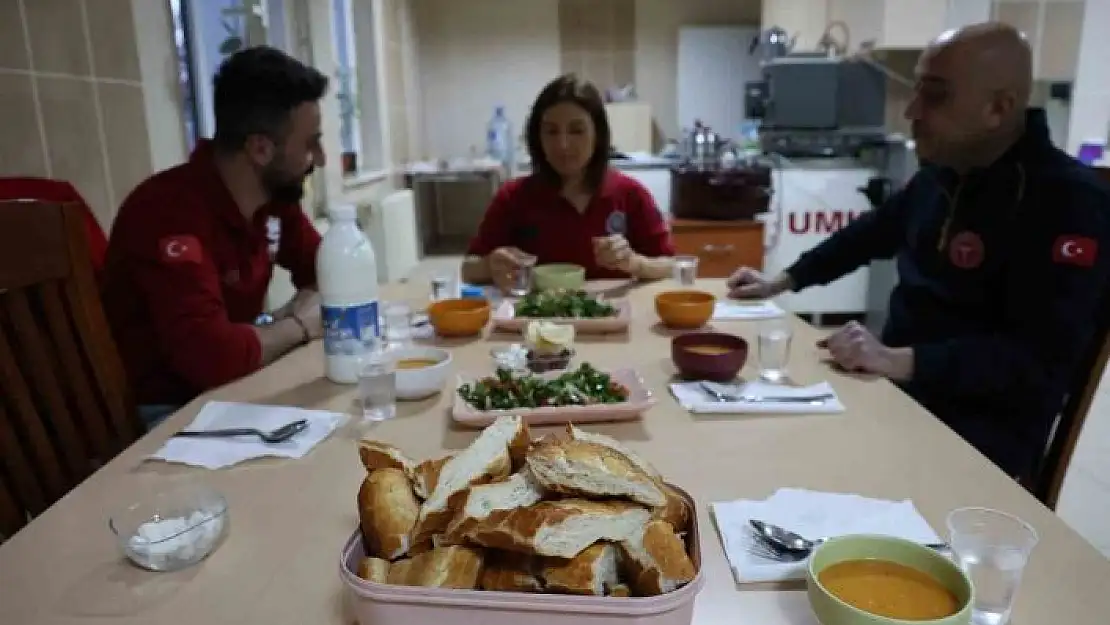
[
  {"x": 459, "y": 317},
  {"x": 830, "y": 610},
  {"x": 559, "y": 276},
  {"x": 685, "y": 309}
]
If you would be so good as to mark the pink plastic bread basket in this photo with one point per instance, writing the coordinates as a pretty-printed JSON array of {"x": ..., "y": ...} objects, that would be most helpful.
[{"x": 383, "y": 604}]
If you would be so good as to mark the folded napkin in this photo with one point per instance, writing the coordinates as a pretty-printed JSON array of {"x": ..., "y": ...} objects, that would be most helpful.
[
  {"x": 217, "y": 453},
  {"x": 693, "y": 397},
  {"x": 733, "y": 310},
  {"x": 810, "y": 515}
]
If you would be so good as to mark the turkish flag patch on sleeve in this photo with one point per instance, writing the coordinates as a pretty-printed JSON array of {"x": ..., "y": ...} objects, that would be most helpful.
[
  {"x": 179, "y": 249},
  {"x": 1070, "y": 249}
]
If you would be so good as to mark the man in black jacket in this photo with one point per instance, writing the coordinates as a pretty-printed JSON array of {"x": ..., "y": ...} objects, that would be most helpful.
[{"x": 1002, "y": 244}]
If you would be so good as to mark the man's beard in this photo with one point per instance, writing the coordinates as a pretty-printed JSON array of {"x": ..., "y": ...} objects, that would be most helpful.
[{"x": 280, "y": 188}]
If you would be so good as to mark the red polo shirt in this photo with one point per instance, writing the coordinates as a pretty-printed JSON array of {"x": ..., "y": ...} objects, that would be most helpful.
[
  {"x": 187, "y": 275},
  {"x": 529, "y": 213}
]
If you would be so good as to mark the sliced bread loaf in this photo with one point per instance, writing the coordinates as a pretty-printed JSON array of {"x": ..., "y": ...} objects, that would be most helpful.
[
  {"x": 387, "y": 513},
  {"x": 656, "y": 560},
  {"x": 562, "y": 528},
  {"x": 519, "y": 491},
  {"x": 591, "y": 572},
  {"x": 378, "y": 455},
  {"x": 617, "y": 446},
  {"x": 585, "y": 469}
]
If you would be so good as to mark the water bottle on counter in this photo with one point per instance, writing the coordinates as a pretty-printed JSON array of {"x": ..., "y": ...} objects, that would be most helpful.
[
  {"x": 499, "y": 139},
  {"x": 347, "y": 275}
]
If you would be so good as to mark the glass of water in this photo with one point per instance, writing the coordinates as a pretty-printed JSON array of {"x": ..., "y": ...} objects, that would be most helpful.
[
  {"x": 377, "y": 386},
  {"x": 992, "y": 547},
  {"x": 774, "y": 349},
  {"x": 397, "y": 319},
  {"x": 522, "y": 278},
  {"x": 686, "y": 270}
]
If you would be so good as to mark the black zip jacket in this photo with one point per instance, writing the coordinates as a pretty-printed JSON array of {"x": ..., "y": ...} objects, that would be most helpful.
[{"x": 1002, "y": 284}]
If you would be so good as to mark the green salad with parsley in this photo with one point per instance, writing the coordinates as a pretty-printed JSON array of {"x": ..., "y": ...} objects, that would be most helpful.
[
  {"x": 508, "y": 391},
  {"x": 563, "y": 304}
]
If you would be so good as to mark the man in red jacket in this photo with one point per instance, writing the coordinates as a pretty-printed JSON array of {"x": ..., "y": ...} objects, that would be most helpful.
[{"x": 192, "y": 250}]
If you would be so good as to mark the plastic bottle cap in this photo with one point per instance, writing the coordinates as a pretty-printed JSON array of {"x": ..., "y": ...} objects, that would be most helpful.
[
  {"x": 343, "y": 212},
  {"x": 470, "y": 291}
]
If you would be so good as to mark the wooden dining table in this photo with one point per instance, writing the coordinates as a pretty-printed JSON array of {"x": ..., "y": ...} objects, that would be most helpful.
[{"x": 290, "y": 518}]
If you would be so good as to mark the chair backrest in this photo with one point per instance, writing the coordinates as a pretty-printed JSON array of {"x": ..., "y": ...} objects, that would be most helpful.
[
  {"x": 65, "y": 408},
  {"x": 1054, "y": 468}
]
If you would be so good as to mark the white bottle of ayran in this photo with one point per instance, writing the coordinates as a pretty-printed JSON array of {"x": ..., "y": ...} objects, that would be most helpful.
[{"x": 347, "y": 275}]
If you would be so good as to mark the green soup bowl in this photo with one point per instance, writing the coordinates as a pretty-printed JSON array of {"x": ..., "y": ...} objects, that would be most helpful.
[
  {"x": 559, "y": 276},
  {"x": 830, "y": 610}
]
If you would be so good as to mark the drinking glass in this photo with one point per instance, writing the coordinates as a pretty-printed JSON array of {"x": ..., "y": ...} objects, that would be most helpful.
[
  {"x": 774, "y": 349},
  {"x": 397, "y": 318},
  {"x": 992, "y": 547},
  {"x": 522, "y": 278},
  {"x": 686, "y": 270},
  {"x": 377, "y": 386}
]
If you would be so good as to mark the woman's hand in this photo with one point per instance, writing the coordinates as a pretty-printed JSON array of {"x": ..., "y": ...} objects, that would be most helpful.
[
  {"x": 504, "y": 262},
  {"x": 614, "y": 252}
]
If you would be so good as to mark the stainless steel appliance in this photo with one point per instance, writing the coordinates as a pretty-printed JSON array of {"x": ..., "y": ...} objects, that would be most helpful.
[
  {"x": 813, "y": 105},
  {"x": 898, "y": 166},
  {"x": 713, "y": 182}
]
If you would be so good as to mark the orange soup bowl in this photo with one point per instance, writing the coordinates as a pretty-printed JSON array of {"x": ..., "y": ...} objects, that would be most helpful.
[
  {"x": 712, "y": 356},
  {"x": 454, "y": 318},
  {"x": 685, "y": 310}
]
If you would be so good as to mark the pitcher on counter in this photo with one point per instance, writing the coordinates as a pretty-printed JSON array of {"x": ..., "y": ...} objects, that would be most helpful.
[
  {"x": 573, "y": 207},
  {"x": 1003, "y": 249}
]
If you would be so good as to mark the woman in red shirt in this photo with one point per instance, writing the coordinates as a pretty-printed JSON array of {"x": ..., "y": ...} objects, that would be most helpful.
[{"x": 573, "y": 208}]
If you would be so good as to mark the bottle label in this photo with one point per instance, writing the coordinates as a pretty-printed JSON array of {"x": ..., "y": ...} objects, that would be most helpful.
[{"x": 350, "y": 330}]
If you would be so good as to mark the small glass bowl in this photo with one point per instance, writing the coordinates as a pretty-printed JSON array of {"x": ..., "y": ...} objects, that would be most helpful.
[
  {"x": 541, "y": 363},
  {"x": 172, "y": 529}
]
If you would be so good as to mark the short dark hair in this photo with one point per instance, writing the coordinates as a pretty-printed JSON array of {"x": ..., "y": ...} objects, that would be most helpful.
[
  {"x": 568, "y": 88},
  {"x": 256, "y": 89}
]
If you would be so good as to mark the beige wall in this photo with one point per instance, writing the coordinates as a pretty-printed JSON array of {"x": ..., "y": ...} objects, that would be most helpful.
[
  {"x": 473, "y": 54},
  {"x": 80, "y": 93}
]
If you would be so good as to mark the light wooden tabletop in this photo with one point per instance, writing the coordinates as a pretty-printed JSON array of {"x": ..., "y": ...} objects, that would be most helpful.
[{"x": 289, "y": 519}]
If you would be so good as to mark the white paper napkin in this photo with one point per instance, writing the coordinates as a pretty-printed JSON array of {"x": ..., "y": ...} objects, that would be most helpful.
[
  {"x": 811, "y": 515},
  {"x": 217, "y": 453},
  {"x": 693, "y": 397},
  {"x": 732, "y": 310}
]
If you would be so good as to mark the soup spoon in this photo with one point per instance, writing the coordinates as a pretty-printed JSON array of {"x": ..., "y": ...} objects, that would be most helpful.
[
  {"x": 279, "y": 435},
  {"x": 785, "y": 545}
]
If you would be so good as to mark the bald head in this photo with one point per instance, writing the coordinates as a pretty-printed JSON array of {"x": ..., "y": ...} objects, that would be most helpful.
[{"x": 973, "y": 86}]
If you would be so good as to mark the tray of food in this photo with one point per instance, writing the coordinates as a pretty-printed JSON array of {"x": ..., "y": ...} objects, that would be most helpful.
[
  {"x": 574, "y": 528},
  {"x": 589, "y": 313},
  {"x": 580, "y": 395}
]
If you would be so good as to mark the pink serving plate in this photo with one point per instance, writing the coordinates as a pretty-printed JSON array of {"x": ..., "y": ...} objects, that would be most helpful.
[
  {"x": 504, "y": 318},
  {"x": 639, "y": 400}
]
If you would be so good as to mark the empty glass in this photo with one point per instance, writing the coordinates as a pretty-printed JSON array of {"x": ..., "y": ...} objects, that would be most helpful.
[
  {"x": 397, "y": 318},
  {"x": 377, "y": 386},
  {"x": 443, "y": 287},
  {"x": 992, "y": 547},
  {"x": 686, "y": 270},
  {"x": 774, "y": 349},
  {"x": 522, "y": 278}
]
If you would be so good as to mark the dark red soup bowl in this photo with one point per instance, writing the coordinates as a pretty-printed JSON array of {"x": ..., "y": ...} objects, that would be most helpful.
[{"x": 712, "y": 356}]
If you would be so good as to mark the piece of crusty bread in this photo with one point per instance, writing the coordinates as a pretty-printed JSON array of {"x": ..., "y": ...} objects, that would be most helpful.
[
  {"x": 378, "y": 455},
  {"x": 447, "y": 567},
  {"x": 374, "y": 570},
  {"x": 426, "y": 474},
  {"x": 591, "y": 572},
  {"x": 620, "y": 590},
  {"x": 617, "y": 446},
  {"x": 585, "y": 469},
  {"x": 676, "y": 512},
  {"x": 387, "y": 513},
  {"x": 511, "y": 572},
  {"x": 487, "y": 459},
  {"x": 519, "y": 491},
  {"x": 656, "y": 560},
  {"x": 561, "y": 528}
]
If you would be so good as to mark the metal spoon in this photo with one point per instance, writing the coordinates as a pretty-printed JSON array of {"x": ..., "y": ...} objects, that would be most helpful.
[
  {"x": 279, "y": 435},
  {"x": 765, "y": 399},
  {"x": 783, "y": 540}
]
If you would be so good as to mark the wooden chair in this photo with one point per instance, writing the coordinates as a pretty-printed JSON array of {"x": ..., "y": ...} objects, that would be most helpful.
[
  {"x": 65, "y": 408},
  {"x": 1049, "y": 480}
]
